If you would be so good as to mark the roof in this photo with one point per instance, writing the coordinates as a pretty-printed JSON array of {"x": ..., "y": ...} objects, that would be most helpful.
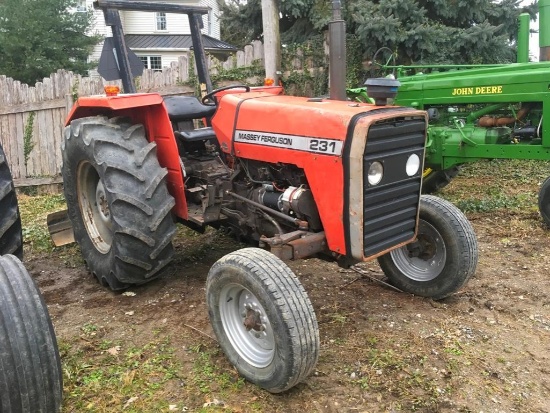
[{"x": 174, "y": 41}]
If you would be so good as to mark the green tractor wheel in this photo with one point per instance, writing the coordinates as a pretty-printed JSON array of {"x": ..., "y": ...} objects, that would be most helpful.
[{"x": 544, "y": 201}]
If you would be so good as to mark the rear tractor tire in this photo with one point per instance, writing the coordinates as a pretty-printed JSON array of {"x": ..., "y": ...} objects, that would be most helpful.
[
  {"x": 118, "y": 200},
  {"x": 30, "y": 373},
  {"x": 11, "y": 238},
  {"x": 441, "y": 260},
  {"x": 263, "y": 319},
  {"x": 544, "y": 201}
]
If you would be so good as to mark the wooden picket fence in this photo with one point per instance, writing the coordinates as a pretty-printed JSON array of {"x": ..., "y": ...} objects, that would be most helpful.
[{"x": 32, "y": 118}]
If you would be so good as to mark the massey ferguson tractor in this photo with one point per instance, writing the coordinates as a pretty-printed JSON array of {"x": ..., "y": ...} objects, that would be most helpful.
[
  {"x": 295, "y": 176},
  {"x": 30, "y": 373},
  {"x": 483, "y": 112}
]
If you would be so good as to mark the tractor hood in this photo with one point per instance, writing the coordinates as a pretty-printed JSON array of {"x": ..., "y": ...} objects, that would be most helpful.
[
  {"x": 513, "y": 82},
  {"x": 285, "y": 121},
  {"x": 332, "y": 142}
]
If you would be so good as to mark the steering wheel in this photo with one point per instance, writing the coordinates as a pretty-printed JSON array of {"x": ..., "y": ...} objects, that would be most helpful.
[
  {"x": 210, "y": 100},
  {"x": 379, "y": 69}
]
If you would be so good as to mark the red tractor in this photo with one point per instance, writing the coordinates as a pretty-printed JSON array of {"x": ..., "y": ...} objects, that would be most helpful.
[{"x": 298, "y": 177}]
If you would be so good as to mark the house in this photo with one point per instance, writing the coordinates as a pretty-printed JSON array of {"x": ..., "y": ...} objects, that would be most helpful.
[{"x": 158, "y": 39}]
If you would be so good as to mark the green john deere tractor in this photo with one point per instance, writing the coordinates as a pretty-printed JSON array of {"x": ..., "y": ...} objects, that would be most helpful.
[{"x": 483, "y": 112}]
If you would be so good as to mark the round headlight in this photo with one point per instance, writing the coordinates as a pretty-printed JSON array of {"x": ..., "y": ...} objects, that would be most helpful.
[
  {"x": 376, "y": 172},
  {"x": 413, "y": 165}
]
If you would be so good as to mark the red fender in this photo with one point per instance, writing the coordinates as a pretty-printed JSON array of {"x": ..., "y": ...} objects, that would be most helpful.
[{"x": 147, "y": 109}]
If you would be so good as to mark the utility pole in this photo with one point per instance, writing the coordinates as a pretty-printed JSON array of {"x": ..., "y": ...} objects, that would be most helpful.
[{"x": 272, "y": 39}]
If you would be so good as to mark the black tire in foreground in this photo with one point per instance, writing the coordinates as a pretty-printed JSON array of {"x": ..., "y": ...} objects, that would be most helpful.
[
  {"x": 443, "y": 258},
  {"x": 118, "y": 200},
  {"x": 30, "y": 368},
  {"x": 544, "y": 201},
  {"x": 263, "y": 319},
  {"x": 434, "y": 181},
  {"x": 11, "y": 238}
]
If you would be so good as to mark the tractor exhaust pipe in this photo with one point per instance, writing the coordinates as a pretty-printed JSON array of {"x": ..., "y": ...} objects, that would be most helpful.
[
  {"x": 523, "y": 38},
  {"x": 337, "y": 59},
  {"x": 544, "y": 30}
]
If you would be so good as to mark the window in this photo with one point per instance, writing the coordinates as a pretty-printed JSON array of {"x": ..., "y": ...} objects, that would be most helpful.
[
  {"x": 209, "y": 22},
  {"x": 161, "y": 21},
  {"x": 81, "y": 5},
  {"x": 152, "y": 62}
]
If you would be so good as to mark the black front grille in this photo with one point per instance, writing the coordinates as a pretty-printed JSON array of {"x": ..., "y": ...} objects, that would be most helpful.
[{"x": 390, "y": 208}]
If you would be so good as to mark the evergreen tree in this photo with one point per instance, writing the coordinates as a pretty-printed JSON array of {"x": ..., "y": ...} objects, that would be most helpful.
[
  {"x": 38, "y": 37},
  {"x": 417, "y": 31},
  {"x": 439, "y": 31},
  {"x": 241, "y": 21}
]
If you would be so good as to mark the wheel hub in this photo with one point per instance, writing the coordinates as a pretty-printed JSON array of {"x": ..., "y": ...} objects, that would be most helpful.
[
  {"x": 424, "y": 248},
  {"x": 253, "y": 320},
  {"x": 101, "y": 201},
  {"x": 247, "y": 326}
]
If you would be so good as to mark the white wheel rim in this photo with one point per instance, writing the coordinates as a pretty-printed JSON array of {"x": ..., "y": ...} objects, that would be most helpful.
[
  {"x": 432, "y": 260},
  {"x": 94, "y": 207},
  {"x": 246, "y": 325}
]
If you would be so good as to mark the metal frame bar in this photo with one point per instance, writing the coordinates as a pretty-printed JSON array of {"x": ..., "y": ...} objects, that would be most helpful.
[{"x": 112, "y": 18}]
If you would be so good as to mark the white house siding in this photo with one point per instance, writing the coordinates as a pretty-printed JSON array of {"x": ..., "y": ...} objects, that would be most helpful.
[
  {"x": 215, "y": 29},
  {"x": 137, "y": 22}
]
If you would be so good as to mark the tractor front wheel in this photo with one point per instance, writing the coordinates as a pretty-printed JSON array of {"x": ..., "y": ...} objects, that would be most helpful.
[
  {"x": 544, "y": 201},
  {"x": 31, "y": 376},
  {"x": 263, "y": 319},
  {"x": 443, "y": 257},
  {"x": 118, "y": 200}
]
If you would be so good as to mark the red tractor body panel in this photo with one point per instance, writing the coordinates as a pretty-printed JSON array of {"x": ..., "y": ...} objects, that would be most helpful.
[
  {"x": 149, "y": 110},
  {"x": 308, "y": 133}
]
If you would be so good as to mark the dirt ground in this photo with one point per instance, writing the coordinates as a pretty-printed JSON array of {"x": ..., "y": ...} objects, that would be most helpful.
[{"x": 485, "y": 349}]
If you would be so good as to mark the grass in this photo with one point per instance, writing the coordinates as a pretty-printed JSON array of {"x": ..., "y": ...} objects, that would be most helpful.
[
  {"x": 205, "y": 373},
  {"x": 493, "y": 185},
  {"x": 396, "y": 370},
  {"x": 106, "y": 376}
]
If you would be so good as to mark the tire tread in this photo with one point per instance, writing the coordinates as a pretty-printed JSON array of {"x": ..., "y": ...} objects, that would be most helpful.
[
  {"x": 463, "y": 244},
  {"x": 136, "y": 187},
  {"x": 11, "y": 236},
  {"x": 287, "y": 293},
  {"x": 29, "y": 348}
]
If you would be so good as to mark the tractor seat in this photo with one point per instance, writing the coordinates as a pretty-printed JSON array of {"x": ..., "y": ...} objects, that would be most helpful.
[
  {"x": 182, "y": 108},
  {"x": 195, "y": 135}
]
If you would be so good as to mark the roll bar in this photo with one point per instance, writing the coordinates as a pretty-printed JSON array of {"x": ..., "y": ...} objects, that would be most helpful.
[{"x": 112, "y": 18}]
